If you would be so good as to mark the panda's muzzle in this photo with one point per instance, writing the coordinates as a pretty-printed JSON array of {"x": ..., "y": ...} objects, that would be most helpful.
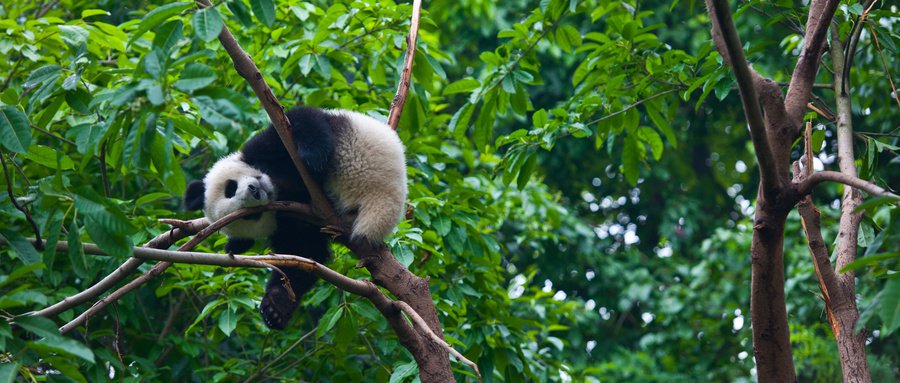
[{"x": 254, "y": 191}]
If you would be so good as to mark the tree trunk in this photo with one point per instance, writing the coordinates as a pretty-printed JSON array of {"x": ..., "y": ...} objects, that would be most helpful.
[{"x": 771, "y": 336}]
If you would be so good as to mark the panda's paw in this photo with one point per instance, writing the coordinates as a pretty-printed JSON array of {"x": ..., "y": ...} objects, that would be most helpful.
[{"x": 277, "y": 308}]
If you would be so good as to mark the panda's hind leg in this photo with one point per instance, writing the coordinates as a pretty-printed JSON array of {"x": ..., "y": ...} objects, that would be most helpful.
[{"x": 277, "y": 307}]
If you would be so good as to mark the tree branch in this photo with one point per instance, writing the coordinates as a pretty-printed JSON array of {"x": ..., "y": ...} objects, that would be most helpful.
[
  {"x": 806, "y": 187},
  {"x": 245, "y": 67},
  {"x": 12, "y": 199},
  {"x": 820, "y": 15},
  {"x": 403, "y": 88},
  {"x": 729, "y": 45}
]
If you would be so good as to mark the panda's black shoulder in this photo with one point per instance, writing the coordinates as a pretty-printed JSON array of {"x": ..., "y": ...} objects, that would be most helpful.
[{"x": 314, "y": 134}]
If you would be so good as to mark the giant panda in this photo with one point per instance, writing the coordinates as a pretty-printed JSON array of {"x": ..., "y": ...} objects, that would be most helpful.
[{"x": 359, "y": 162}]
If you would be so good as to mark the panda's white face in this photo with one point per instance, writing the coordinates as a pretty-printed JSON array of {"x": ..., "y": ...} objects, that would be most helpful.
[{"x": 231, "y": 185}]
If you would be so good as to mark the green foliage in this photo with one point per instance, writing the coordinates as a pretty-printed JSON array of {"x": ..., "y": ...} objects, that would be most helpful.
[{"x": 580, "y": 204}]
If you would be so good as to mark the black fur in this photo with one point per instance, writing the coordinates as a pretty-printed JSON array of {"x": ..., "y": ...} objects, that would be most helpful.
[
  {"x": 193, "y": 195},
  {"x": 314, "y": 134}
]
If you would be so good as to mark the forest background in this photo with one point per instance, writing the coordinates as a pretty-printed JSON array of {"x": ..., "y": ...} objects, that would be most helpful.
[{"x": 582, "y": 186}]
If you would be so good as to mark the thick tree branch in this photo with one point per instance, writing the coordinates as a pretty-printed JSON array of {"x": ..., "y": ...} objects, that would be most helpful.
[
  {"x": 245, "y": 67},
  {"x": 362, "y": 288},
  {"x": 729, "y": 45},
  {"x": 403, "y": 88},
  {"x": 806, "y": 187},
  {"x": 817, "y": 22}
]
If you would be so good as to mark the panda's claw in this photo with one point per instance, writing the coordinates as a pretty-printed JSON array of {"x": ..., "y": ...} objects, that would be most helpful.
[
  {"x": 333, "y": 230},
  {"x": 277, "y": 308}
]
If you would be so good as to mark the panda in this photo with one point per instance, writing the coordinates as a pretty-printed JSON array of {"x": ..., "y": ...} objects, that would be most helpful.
[{"x": 360, "y": 164}]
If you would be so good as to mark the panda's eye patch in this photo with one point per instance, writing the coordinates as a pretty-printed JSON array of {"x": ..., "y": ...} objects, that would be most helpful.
[{"x": 230, "y": 188}]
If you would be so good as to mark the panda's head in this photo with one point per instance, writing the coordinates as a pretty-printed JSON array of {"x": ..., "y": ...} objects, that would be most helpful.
[{"x": 230, "y": 185}]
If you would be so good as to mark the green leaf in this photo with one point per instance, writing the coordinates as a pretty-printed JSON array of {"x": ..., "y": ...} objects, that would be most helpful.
[
  {"x": 8, "y": 372},
  {"x": 207, "y": 24},
  {"x": 568, "y": 38},
  {"x": 526, "y": 171},
  {"x": 460, "y": 121},
  {"x": 661, "y": 123},
  {"x": 403, "y": 371},
  {"x": 652, "y": 138},
  {"x": 21, "y": 246},
  {"x": 42, "y": 74},
  {"x": 539, "y": 119},
  {"x": 890, "y": 306},
  {"x": 65, "y": 346},
  {"x": 168, "y": 35},
  {"x": 93, "y": 12},
  {"x": 76, "y": 253},
  {"x": 264, "y": 11},
  {"x": 484, "y": 124},
  {"x": 157, "y": 16},
  {"x": 329, "y": 319},
  {"x": 195, "y": 76},
  {"x": 630, "y": 159},
  {"x": 869, "y": 260},
  {"x": 306, "y": 64},
  {"x": 78, "y": 100},
  {"x": 48, "y": 157},
  {"x": 461, "y": 86},
  {"x": 15, "y": 130},
  {"x": 228, "y": 320}
]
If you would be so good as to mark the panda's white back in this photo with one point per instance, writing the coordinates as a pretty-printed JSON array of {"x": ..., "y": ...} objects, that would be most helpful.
[{"x": 368, "y": 175}]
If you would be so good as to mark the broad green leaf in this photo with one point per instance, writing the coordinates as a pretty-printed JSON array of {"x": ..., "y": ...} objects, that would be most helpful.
[
  {"x": 539, "y": 119},
  {"x": 329, "y": 319},
  {"x": 568, "y": 37},
  {"x": 93, "y": 12},
  {"x": 264, "y": 11},
  {"x": 21, "y": 246},
  {"x": 207, "y": 24},
  {"x": 42, "y": 74},
  {"x": 76, "y": 253},
  {"x": 869, "y": 260},
  {"x": 484, "y": 124},
  {"x": 461, "y": 86},
  {"x": 890, "y": 306},
  {"x": 228, "y": 320},
  {"x": 49, "y": 157},
  {"x": 157, "y": 16},
  {"x": 64, "y": 346},
  {"x": 526, "y": 171},
  {"x": 79, "y": 100},
  {"x": 661, "y": 123},
  {"x": 403, "y": 371},
  {"x": 8, "y": 372},
  {"x": 15, "y": 130},
  {"x": 195, "y": 76},
  {"x": 652, "y": 139},
  {"x": 460, "y": 120},
  {"x": 168, "y": 35},
  {"x": 630, "y": 159},
  {"x": 306, "y": 64}
]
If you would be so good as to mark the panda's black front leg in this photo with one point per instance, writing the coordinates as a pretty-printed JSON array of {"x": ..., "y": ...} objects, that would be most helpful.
[{"x": 238, "y": 245}]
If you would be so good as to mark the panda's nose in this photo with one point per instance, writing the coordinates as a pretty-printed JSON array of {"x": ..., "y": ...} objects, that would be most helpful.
[{"x": 254, "y": 191}]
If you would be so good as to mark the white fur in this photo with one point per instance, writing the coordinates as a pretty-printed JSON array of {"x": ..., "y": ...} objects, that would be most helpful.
[
  {"x": 216, "y": 205},
  {"x": 369, "y": 176}
]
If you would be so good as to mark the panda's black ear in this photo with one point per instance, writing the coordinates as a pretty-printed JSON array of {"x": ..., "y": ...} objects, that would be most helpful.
[{"x": 194, "y": 195}]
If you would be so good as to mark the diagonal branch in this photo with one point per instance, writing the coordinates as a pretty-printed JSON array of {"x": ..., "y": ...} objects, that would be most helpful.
[
  {"x": 245, "y": 67},
  {"x": 729, "y": 45},
  {"x": 820, "y": 14},
  {"x": 805, "y": 187},
  {"x": 403, "y": 88}
]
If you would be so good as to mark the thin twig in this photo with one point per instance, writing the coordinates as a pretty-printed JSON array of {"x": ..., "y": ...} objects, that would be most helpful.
[
  {"x": 403, "y": 88},
  {"x": 884, "y": 63},
  {"x": 632, "y": 106},
  {"x": 12, "y": 198}
]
